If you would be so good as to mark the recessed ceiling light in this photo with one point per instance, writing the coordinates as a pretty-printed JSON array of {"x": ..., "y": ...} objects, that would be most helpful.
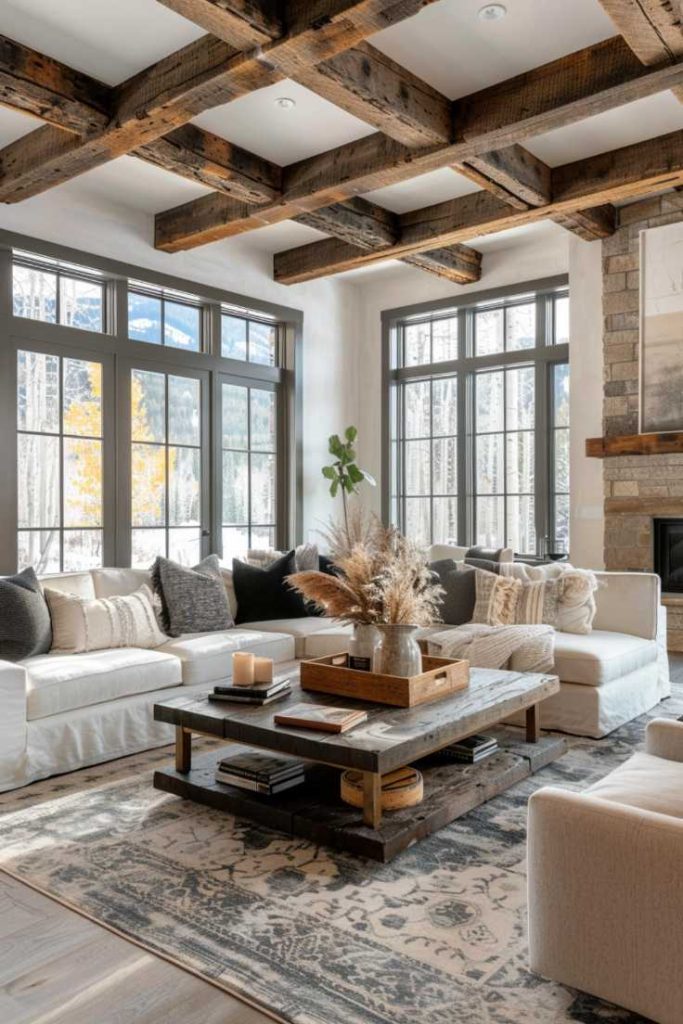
[
  {"x": 285, "y": 102},
  {"x": 492, "y": 12}
]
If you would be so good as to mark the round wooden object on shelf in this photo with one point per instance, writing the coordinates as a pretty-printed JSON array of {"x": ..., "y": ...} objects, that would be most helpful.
[{"x": 402, "y": 788}]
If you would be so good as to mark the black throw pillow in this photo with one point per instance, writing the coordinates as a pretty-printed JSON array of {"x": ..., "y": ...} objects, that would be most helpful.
[
  {"x": 457, "y": 604},
  {"x": 25, "y": 624},
  {"x": 326, "y": 565},
  {"x": 263, "y": 595}
]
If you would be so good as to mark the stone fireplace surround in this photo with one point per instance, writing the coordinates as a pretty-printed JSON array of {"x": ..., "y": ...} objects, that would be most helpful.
[{"x": 638, "y": 488}]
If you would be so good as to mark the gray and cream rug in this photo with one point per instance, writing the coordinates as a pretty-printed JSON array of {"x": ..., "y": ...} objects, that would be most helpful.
[{"x": 311, "y": 935}]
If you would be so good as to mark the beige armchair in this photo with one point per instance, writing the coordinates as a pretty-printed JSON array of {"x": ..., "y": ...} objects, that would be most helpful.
[{"x": 606, "y": 881}]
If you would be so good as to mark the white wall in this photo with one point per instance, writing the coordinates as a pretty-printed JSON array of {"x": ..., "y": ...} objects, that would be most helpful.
[
  {"x": 330, "y": 332},
  {"x": 585, "y": 365},
  {"x": 539, "y": 253}
]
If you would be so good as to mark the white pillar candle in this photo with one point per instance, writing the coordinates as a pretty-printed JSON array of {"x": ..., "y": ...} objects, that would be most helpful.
[
  {"x": 242, "y": 668},
  {"x": 263, "y": 670}
]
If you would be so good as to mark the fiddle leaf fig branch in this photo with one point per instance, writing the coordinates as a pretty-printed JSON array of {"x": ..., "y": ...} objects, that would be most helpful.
[{"x": 344, "y": 474}]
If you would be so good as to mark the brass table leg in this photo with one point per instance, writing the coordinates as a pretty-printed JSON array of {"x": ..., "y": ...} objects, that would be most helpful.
[
  {"x": 533, "y": 724},
  {"x": 183, "y": 749},
  {"x": 372, "y": 799}
]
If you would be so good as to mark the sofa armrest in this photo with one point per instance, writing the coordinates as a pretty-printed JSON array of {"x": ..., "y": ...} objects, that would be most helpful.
[
  {"x": 664, "y": 738},
  {"x": 13, "y": 686},
  {"x": 628, "y": 602},
  {"x": 605, "y": 900}
]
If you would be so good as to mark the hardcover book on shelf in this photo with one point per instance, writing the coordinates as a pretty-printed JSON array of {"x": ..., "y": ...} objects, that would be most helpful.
[
  {"x": 264, "y": 767},
  {"x": 471, "y": 749},
  {"x": 324, "y": 719},
  {"x": 258, "y": 690},
  {"x": 268, "y": 789}
]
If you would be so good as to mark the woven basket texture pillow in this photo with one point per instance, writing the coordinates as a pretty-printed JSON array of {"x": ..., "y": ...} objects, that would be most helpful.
[
  {"x": 192, "y": 600},
  {"x": 81, "y": 624}
]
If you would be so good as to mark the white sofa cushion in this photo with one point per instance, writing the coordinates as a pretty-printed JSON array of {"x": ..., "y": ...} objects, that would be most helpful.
[
  {"x": 300, "y": 629},
  {"x": 80, "y": 584},
  {"x": 646, "y": 781},
  {"x": 205, "y": 657},
  {"x": 62, "y": 682},
  {"x": 600, "y": 657},
  {"x": 119, "y": 582}
]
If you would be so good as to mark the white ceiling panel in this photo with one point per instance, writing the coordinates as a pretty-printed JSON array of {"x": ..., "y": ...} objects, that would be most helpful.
[
  {"x": 134, "y": 183},
  {"x": 435, "y": 187},
  {"x": 448, "y": 46},
  {"x": 14, "y": 124},
  {"x": 635, "y": 122},
  {"x": 258, "y": 124},
  {"x": 285, "y": 235},
  {"x": 108, "y": 39}
]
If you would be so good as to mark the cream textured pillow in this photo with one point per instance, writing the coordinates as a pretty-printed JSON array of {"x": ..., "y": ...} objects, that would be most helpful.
[
  {"x": 576, "y": 608},
  {"x": 496, "y": 601},
  {"x": 537, "y": 602},
  {"x": 86, "y": 624}
]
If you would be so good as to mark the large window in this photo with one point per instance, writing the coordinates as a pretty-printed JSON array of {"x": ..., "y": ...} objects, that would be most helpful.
[
  {"x": 249, "y": 465},
  {"x": 183, "y": 445},
  {"x": 165, "y": 467},
  {"x": 478, "y": 422},
  {"x": 59, "y": 462}
]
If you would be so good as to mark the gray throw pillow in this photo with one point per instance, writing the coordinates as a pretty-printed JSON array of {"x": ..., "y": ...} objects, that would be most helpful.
[
  {"x": 192, "y": 600},
  {"x": 457, "y": 604},
  {"x": 25, "y": 625},
  {"x": 484, "y": 554}
]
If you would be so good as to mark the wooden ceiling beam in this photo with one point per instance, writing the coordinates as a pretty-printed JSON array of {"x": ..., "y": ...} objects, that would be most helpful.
[
  {"x": 366, "y": 225},
  {"x": 523, "y": 180},
  {"x": 635, "y": 170},
  {"x": 652, "y": 28},
  {"x": 47, "y": 89},
  {"x": 602, "y": 77},
  {"x": 212, "y": 161},
  {"x": 205, "y": 74},
  {"x": 360, "y": 80}
]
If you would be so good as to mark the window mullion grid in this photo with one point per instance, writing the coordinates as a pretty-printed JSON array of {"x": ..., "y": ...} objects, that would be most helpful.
[
  {"x": 61, "y": 460},
  {"x": 430, "y": 442},
  {"x": 250, "y": 523},
  {"x": 166, "y": 466}
]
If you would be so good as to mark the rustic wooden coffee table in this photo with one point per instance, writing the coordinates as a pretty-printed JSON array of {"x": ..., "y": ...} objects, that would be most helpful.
[{"x": 391, "y": 738}]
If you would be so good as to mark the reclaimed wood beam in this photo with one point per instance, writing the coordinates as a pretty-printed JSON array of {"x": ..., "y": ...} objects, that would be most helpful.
[
  {"x": 242, "y": 23},
  {"x": 368, "y": 226},
  {"x": 636, "y": 170},
  {"x": 47, "y": 89},
  {"x": 601, "y": 77},
  {"x": 212, "y": 161},
  {"x": 652, "y": 28},
  {"x": 523, "y": 180},
  {"x": 205, "y": 74}
]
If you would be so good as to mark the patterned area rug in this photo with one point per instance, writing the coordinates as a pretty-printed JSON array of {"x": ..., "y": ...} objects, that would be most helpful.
[{"x": 311, "y": 935}]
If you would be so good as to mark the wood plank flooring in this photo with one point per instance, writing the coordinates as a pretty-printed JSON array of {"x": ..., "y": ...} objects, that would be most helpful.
[{"x": 57, "y": 967}]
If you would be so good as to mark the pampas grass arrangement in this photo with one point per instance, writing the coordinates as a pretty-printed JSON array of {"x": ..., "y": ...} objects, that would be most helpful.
[{"x": 383, "y": 577}]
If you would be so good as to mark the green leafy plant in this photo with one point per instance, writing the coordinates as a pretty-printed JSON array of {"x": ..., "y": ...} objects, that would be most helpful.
[{"x": 344, "y": 474}]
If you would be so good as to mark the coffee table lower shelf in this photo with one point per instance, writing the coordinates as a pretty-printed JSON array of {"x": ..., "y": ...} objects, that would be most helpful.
[{"x": 316, "y": 812}]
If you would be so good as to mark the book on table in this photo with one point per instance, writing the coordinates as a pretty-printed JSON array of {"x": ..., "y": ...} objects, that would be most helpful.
[
  {"x": 260, "y": 772},
  {"x": 256, "y": 694},
  {"x": 471, "y": 748},
  {"x": 320, "y": 717}
]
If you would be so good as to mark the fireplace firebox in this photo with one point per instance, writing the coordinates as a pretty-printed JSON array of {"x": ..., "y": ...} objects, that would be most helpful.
[{"x": 668, "y": 553}]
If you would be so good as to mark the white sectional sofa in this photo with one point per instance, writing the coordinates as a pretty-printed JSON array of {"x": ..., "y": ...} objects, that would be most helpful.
[{"x": 60, "y": 712}]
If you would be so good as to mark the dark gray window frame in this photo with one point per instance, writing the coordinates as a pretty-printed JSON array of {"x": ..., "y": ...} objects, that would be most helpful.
[
  {"x": 543, "y": 358},
  {"x": 117, "y": 352}
]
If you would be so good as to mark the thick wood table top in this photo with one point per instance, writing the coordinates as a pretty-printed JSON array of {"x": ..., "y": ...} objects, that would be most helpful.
[{"x": 391, "y": 737}]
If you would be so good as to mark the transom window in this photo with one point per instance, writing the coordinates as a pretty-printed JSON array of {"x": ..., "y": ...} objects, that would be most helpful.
[
  {"x": 57, "y": 293},
  {"x": 163, "y": 317},
  {"x": 249, "y": 339},
  {"x": 479, "y": 422}
]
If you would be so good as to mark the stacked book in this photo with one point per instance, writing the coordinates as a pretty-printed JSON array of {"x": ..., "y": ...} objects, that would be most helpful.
[
  {"x": 257, "y": 693},
  {"x": 260, "y": 772},
  {"x": 471, "y": 749},
  {"x": 320, "y": 717}
]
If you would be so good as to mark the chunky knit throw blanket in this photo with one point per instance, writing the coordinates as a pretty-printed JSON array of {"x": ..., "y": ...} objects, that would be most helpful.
[{"x": 519, "y": 648}]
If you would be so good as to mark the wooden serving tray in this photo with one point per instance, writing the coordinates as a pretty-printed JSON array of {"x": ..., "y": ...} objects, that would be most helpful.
[{"x": 439, "y": 678}]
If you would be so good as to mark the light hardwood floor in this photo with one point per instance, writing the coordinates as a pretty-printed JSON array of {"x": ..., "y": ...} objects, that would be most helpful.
[{"x": 57, "y": 967}]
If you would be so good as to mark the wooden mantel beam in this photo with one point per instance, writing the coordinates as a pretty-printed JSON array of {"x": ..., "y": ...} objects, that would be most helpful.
[
  {"x": 599, "y": 78},
  {"x": 640, "y": 169},
  {"x": 634, "y": 444}
]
